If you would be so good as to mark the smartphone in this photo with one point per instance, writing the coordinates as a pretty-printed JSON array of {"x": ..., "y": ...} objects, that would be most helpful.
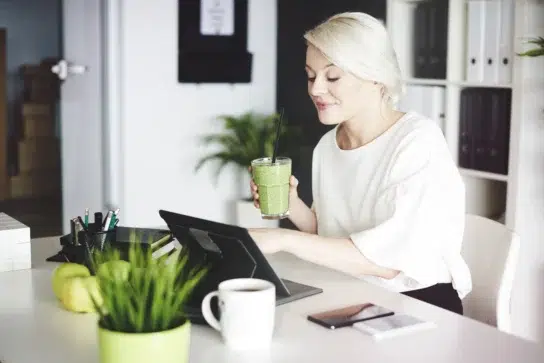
[{"x": 349, "y": 315}]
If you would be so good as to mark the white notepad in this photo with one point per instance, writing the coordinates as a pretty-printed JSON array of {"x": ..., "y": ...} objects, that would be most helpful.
[{"x": 391, "y": 326}]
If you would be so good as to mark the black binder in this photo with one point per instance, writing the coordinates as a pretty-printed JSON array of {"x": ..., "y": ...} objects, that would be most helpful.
[
  {"x": 430, "y": 39},
  {"x": 465, "y": 130},
  {"x": 479, "y": 117},
  {"x": 421, "y": 47},
  {"x": 498, "y": 141},
  {"x": 484, "y": 132}
]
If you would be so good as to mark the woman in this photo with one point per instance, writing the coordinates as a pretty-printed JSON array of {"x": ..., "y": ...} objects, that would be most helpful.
[{"x": 388, "y": 201}]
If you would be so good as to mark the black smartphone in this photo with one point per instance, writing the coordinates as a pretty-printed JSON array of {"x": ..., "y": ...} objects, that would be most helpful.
[{"x": 349, "y": 315}]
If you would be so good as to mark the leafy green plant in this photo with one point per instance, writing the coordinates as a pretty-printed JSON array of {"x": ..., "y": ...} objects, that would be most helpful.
[
  {"x": 535, "y": 52},
  {"x": 151, "y": 296},
  {"x": 247, "y": 137}
]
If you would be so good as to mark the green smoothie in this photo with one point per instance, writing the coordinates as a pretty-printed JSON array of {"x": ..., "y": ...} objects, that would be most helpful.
[{"x": 273, "y": 186}]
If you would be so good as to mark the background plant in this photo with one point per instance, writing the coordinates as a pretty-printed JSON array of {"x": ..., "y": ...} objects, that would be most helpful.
[
  {"x": 535, "y": 52},
  {"x": 248, "y": 137},
  {"x": 153, "y": 295}
]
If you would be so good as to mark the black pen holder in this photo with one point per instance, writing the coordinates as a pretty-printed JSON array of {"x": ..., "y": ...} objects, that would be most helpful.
[
  {"x": 78, "y": 246},
  {"x": 95, "y": 241}
]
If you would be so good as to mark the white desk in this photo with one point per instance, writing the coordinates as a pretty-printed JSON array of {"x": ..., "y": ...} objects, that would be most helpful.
[{"x": 34, "y": 329}]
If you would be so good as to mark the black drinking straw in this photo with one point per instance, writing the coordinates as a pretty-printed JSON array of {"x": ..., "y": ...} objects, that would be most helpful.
[{"x": 278, "y": 130}]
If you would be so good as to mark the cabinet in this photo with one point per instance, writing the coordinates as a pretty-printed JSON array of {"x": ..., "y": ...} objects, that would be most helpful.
[
  {"x": 453, "y": 53},
  {"x": 515, "y": 197}
]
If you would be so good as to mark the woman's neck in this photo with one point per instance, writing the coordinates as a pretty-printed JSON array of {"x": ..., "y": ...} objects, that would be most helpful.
[{"x": 363, "y": 129}]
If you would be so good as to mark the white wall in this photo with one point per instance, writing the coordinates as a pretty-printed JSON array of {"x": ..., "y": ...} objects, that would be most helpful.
[
  {"x": 526, "y": 186},
  {"x": 163, "y": 119}
]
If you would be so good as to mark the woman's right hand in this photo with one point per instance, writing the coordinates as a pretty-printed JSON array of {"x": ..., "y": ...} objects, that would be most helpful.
[{"x": 293, "y": 193}]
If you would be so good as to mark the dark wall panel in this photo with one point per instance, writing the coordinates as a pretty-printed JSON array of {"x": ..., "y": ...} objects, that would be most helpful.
[{"x": 294, "y": 18}]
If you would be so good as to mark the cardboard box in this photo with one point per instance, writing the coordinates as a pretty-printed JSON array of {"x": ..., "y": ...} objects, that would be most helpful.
[
  {"x": 15, "y": 252},
  {"x": 38, "y": 126},
  {"x": 38, "y": 153},
  {"x": 37, "y": 183},
  {"x": 37, "y": 109},
  {"x": 40, "y": 84}
]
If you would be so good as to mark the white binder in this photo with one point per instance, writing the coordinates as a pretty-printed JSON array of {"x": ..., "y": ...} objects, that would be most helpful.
[
  {"x": 412, "y": 99},
  {"x": 506, "y": 46},
  {"x": 475, "y": 41},
  {"x": 492, "y": 33},
  {"x": 436, "y": 105},
  {"x": 428, "y": 101}
]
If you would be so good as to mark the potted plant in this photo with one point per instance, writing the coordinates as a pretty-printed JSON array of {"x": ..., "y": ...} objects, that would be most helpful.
[
  {"x": 244, "y": 138},
  {"x": 535, "y": 52},
  {"x": 140, "y": 309}
]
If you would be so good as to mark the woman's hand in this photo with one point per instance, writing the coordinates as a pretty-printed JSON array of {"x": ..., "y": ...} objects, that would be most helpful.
[
  {"x": 293, "y": 193},
  {"x": 269, "y": 240}
]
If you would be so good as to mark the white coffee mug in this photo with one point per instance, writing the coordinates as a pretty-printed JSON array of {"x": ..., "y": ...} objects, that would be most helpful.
[{"x": 247, "y": 311}]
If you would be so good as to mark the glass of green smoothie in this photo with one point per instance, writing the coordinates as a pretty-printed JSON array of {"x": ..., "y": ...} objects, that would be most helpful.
[{"x": 272, "y": 180}]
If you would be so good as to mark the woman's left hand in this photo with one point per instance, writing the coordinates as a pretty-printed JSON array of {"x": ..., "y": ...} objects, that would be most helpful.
[{"x": 269, "y": 240}]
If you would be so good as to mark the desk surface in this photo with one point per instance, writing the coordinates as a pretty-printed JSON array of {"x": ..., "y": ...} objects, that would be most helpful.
[{"x": 33, "y": 328}]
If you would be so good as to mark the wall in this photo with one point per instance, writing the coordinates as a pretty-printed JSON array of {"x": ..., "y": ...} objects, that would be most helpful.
[
  {"x": 162, "y": 120},
  {"x": 526, "y": 189},
  {"x": 33, "y": 33}
]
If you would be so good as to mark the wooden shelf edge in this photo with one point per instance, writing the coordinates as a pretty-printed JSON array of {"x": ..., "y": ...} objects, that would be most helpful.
[
  {"x": 483, "y": 174},
  {"x": 484, "y": 85},
  {"x": 444, "y": 82},
  {"x": 425, "y": 82}
]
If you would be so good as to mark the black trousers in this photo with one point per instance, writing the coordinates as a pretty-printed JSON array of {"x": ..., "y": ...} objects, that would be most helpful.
[{"x": 441, "y": 295}]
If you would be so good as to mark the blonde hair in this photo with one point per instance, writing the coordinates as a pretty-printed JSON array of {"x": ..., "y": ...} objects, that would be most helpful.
[{"x": 359, "y": 44}]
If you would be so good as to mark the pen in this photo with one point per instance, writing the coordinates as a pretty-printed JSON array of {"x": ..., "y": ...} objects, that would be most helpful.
[
  {"x": 86, "y": 217},
  {"x": 97, "y": 221},
  {"x": 78, "y": 227},
  {"x": 73, "y": 232},
  {"x": 114, "y": 219},
  {"x": 83, "y": 225},
  {"x": 107, "y": 221}
]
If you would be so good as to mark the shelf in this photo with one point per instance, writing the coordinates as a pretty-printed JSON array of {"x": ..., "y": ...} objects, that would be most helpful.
[
  {"x": 444, "y": 82},
  {"x": 442, "y": 96},
  {"x": 485, "y": 85},
  {"x": 426, "y": 82},
  {"x": 483, "y": 174}
]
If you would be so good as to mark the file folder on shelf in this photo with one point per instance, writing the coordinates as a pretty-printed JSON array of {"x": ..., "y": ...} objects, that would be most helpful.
[
  {"x": 498, "y": 132},
  {"x": 430, "y": 39},
  {"x": 506, "y": 43},
  {"x": 421, "y": 29},
  {"x": 484, "y": 129},
  {"x": 465, "y": 131},
  {"x": 475, "y": 41},
  {"x": 489, "y": 41},
  {"x": 428, "y": 101},
  {"x": 492, "y": 34}
]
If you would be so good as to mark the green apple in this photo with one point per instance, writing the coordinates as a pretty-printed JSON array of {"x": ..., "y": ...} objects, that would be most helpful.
[
  {"x": 114, "y": 269},
  {"x": 65, "y": 271},
  {"x": 78, "y": 294}
]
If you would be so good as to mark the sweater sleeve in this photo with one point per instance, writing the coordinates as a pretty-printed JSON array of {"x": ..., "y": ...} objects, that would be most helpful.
[{"x": 419, "y": 215}]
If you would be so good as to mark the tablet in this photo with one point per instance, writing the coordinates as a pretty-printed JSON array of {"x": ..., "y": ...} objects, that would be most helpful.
[{"x": 230, "y": 252}]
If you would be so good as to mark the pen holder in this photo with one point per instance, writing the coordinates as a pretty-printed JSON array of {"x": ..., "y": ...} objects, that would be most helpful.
[{"x": 93, "y": 240}]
